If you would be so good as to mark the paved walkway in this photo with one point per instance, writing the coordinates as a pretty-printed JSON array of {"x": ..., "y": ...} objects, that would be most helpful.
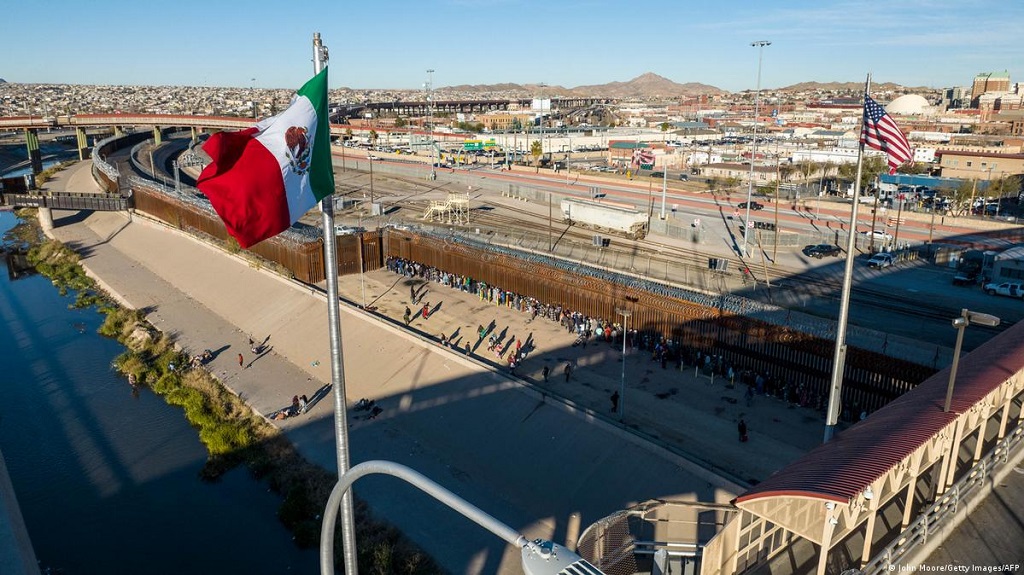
[{"x": 544, "y": 465}]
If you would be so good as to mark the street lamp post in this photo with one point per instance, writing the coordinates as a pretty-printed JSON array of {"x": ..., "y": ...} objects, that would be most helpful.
[
  {"x": 966, "y": 318},
  {"x": 625, "y": 313},
  {"x": 760, "y": 44}
]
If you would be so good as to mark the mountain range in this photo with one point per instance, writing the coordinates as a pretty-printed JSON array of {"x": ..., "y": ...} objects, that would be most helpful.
[{"x": 651, "y": 85}]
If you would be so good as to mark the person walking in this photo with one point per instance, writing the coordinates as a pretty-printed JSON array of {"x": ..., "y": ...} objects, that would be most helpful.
[
  {"x": 241, "y": 360},
  {"x": 615, "y": 401},
  {"x": 544, "y": 373},
  {"x": 426, "y": 310},
  {"x": 408, "y": 315},
  {"x": 742, "y": 428},
  {"x": 412, "y": 294},
  {"x": 568, "y": 372}
]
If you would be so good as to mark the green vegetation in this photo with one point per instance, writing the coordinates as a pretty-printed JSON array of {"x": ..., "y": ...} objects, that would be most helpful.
[
  {"x": 537, "y": 150},
  {"x": 231, "y": 431},
  {"x": 475, "y": 127},
  {"x": 45, "y": 175}
]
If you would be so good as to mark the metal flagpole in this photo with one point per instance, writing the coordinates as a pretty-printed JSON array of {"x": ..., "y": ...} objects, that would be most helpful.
[
  {"x": 664, "y": 187},
  {"x": 348, "y": 523},
  {"x": 836, "y": 389}
]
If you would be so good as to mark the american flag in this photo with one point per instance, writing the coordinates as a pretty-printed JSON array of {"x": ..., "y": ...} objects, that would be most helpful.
[{"x": 881, "y": 133}]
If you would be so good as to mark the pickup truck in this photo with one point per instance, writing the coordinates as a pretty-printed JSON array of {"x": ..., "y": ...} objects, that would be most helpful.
[
  {"x": 881, "y": 260},
  {"x": 1008, "y": 289}
]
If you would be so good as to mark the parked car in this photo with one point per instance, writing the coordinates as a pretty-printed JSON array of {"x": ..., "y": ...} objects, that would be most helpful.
[
  {"x": 1007, "y": 288},
  {"x": 657, "y": 174},
  {"x": 879, "y": 235},
  {"x": 966, "y": 278},
  {"x": 753, "y": 205},
  {"x": 684, "y": 177},
  {"x": 821, "y": 250},
  {"x": 881, "y": 260}
]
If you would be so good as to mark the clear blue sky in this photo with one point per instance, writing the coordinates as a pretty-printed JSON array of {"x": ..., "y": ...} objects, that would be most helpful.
[{"x": 391, "y": 43}]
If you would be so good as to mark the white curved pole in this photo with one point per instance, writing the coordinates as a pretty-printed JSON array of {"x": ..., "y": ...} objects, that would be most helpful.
[{"x": 417, "y": 479}]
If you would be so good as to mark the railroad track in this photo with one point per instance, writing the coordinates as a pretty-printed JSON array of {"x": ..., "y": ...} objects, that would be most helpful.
[
  {"x": 501, "y": 217},
  {"x": 808, "y": 282}
]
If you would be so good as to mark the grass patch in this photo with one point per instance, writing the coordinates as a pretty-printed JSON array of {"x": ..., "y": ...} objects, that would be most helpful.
[
  {"x": 48, "y": 173},
  {"x": 232, "y": 433}
]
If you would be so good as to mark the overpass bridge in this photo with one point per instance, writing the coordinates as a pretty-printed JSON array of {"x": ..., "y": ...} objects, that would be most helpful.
[
  {"x": 30, "y": 126},
  {"x": 418, "y": 107}
]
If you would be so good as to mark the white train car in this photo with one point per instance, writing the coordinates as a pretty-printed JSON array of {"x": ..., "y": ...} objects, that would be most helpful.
[{"x": 605, "y": 217}]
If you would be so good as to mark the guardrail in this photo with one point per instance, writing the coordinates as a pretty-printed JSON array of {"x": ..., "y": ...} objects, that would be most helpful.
[{"x": 101, "y": 163}]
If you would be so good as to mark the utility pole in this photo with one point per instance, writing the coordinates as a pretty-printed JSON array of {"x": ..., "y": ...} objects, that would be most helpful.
[
  {"x": 760, "y": 44},
  {"x": 252, "y": 95},
  {"x": 430, "y": 123}
]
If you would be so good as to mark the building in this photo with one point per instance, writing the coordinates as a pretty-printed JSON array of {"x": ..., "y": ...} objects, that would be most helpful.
[
  {"x": 1009, "y": 265},
  {"x": 989, "y": 82},
  {"x": 740, "y": 172},
  {"x": 979, "y": 165},
  {"x": 505, "y": 121}
]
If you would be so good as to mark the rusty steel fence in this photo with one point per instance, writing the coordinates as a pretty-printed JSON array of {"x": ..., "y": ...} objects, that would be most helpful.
[
  {"x": 301, "y": 253},
  {"x": 871, "y": 379}
]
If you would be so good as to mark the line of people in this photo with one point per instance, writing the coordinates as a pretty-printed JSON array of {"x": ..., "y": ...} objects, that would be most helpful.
[{"x": 663, "y": 350}]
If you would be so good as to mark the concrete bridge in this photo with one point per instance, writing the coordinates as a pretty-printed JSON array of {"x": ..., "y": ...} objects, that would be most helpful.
[{"x": 463, "y": 106}]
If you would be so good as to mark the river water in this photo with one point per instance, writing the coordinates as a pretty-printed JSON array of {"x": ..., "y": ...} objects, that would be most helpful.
[{"x": 107, "y": 478}]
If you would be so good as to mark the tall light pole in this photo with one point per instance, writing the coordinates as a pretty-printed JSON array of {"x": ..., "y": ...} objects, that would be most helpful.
[
  {"x": 760, "y": 44},
  {"x": 966, "y": 318},
  {"x": 625, "y": 313},
  {"x": 430, "y": 123}
]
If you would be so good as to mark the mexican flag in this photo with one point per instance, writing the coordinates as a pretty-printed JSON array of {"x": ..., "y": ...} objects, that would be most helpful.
[{"x": 264, "y": 178}]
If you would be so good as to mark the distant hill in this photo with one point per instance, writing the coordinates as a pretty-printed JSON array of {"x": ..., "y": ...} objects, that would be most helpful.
[
  {"x": 851, "y": 87},
  {"x": 647, "y": 85},
  {"x": 2, "y": 81}
]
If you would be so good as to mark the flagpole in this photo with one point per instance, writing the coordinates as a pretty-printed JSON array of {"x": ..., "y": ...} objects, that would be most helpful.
[
  {"x": 838, "y": 363},
  {"x": 348, "y": 524}
]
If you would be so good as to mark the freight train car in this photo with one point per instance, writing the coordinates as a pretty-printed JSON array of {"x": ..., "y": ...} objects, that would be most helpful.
[{"x": 605, "y": 217}]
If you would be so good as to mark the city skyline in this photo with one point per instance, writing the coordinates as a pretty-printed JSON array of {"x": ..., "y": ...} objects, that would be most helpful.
[{"x": 572, "y": 43}]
